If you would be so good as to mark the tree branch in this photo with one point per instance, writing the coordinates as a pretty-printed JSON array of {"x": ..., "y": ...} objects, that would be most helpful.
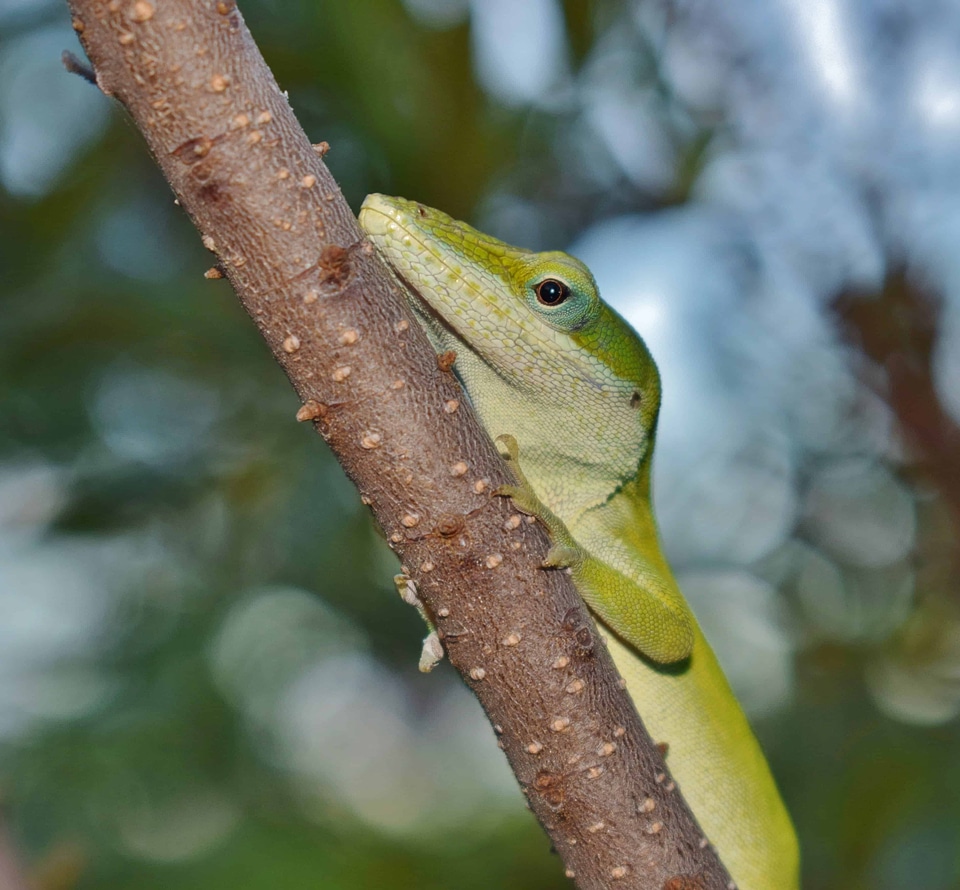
[
  {"x": 897, "y": 329},
  {"x": 227, "y": 141}
]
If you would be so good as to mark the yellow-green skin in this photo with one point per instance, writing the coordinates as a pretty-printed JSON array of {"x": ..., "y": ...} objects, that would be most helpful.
[{"x": 575, "y": 394}]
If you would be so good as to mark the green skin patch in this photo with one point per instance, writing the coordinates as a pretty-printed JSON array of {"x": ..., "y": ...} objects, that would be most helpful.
[{"x": 572, "y": 394}]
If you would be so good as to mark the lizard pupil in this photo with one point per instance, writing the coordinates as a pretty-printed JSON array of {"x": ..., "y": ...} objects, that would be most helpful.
[{"x": 551, "y": 292}]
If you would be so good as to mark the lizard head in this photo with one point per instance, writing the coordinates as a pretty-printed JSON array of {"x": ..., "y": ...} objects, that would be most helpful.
[{"x": 535, "y": 320}]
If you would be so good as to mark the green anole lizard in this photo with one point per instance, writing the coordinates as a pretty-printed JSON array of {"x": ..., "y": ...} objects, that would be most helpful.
[{"x": 572, "y": 393}]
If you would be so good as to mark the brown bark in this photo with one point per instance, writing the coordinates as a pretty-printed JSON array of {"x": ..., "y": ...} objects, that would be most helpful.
[{"x": 225, "y": 137}]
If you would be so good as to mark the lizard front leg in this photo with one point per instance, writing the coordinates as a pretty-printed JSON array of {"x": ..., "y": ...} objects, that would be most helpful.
[
  {"x": 564, "y": 551},
  {"x": 631, "y": 598}
]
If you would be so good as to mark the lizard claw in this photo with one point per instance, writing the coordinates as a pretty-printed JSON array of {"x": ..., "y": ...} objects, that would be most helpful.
[
  {"x": 560, "y": 556},
  {"x": 511, "y": 450},
  {"x": 522, "y": 496},
  {"x": 522, "y": 493},
  {"x": 564, "y": 551}
]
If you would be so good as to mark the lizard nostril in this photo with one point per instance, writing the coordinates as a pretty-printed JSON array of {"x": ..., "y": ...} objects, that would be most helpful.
[{"x": 421, "y": 210}]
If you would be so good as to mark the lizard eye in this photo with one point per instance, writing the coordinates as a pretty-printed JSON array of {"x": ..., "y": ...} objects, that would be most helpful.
[{"x": 551, "y": 292}]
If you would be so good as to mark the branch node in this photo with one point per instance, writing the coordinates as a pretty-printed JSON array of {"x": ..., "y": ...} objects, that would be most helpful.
[{"x": 75, "y": 65}]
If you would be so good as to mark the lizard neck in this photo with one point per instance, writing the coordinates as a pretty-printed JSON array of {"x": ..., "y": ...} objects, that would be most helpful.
[{"x": 574, "y": 451}]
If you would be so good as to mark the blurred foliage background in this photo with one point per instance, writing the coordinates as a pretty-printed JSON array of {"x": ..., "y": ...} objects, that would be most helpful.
[{"x": 206, "y": 679}]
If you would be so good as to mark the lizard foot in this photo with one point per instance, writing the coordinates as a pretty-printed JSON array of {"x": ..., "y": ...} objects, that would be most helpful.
[{"x": 564, "y": 551}]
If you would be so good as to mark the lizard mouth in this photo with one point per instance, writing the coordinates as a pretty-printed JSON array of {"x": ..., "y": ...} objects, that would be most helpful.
[{"x": 443, "y": 332}]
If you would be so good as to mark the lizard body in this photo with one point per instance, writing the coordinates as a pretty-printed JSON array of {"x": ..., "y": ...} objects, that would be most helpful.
[{"x": 571, "y": 389}]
